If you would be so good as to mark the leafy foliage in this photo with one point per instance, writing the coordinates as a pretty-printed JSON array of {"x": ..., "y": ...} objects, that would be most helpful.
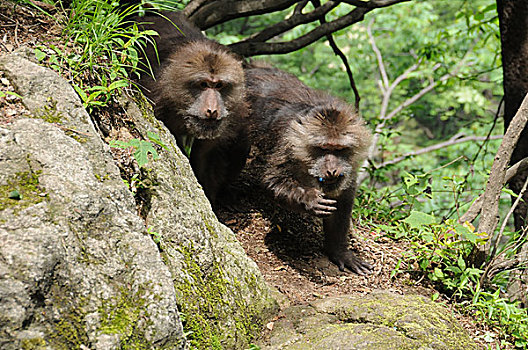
[
  {"x": 142, "y": 148},
  {"x": 99, "y": 49}
]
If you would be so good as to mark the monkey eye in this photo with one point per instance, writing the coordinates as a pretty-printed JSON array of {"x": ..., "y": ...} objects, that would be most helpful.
[
  {"x": 219, "y": 85},
  {"x": 203, "y": 85}
]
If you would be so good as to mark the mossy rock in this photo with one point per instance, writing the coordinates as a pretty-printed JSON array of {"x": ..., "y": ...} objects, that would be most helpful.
[{"x": 380, "y": 320}]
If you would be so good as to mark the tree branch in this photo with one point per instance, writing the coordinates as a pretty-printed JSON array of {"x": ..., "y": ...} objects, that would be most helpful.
[
  {"x": 381, "y": 65},
  {"x": 211, "y": 13},
  {"x": 450, "y": 142},
  {"x": 251, "y": 48},
  {"x": 497, "y": 176},
  {"x": 474, "y": 210},
  {"x": 341, "y": 55},
  {"x": 490, "y": 215},
  {"x": 290, "y": 23},
  {"x": 373, "y": 3}
]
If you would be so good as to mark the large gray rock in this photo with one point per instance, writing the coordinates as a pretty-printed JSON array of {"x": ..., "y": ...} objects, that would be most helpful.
[
  {"x": 220, "y": 290},
  {"x": 380, "y": 320},
  {"x": 78, "y": 268},
  {"x": 76, "y": 265}
]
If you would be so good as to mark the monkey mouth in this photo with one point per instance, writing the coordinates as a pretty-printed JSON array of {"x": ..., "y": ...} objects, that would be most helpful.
[
  {"x": 330, "y": 184},
  {"x": 205, "y": 128}
]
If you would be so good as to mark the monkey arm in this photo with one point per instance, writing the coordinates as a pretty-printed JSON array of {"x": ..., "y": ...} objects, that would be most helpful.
[
  {"x": 292, "y": 194},
  {"x": 336, "y": 229}
]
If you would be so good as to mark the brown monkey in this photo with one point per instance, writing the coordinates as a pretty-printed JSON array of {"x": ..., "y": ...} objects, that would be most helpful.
[
  {"x": 198, "y": 91},
  {"x": 312, "y": 145}
]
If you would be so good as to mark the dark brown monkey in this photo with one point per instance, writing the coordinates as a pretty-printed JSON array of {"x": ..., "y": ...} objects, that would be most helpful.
[
  {"x": 312, "y": 145},
  {"x": 198, "y": 91}
]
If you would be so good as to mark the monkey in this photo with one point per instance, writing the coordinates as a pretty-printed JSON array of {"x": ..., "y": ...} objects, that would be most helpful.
[
  {"x": 198, "y": 91},
  {"x": 311, "y": 145}
]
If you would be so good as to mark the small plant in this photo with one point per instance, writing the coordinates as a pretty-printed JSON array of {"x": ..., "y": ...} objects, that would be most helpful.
[
  {"x": 142, "y": 148},
  {"x": 4, "y": 94},
  {"x": 156, "y": 237},
  {"x": 99, "y": 49}
]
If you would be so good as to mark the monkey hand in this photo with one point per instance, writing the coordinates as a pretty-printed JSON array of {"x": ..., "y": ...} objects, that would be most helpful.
[
  {"x": 345, "y": 258},
  {"x": 315, "y": 203}
]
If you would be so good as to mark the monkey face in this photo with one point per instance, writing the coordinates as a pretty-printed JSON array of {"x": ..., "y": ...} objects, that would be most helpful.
[
  {"x": 204, "y": 84},
  {"x": 331, "y": 171},
  {"x": 329, "y": 140},
  {"x": 205, "y": 117}
]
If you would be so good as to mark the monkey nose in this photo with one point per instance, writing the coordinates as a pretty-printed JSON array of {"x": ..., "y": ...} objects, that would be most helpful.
[
  {"x": 213, "y": 114},
  {"x": 333, "y": 173}
]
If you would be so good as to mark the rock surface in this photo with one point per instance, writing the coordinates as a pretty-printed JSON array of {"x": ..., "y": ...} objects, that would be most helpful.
[
  {"x": 78, "y": 268},
  {"x": 380, "y": 320}
]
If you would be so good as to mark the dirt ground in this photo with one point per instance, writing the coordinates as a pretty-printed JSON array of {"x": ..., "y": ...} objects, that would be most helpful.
[{"x": 287, "y": 247}]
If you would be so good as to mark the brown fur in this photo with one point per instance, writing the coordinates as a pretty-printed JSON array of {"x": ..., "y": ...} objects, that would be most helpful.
[
  {"x": 312, "y": 144},
  {"x": 198, "y": 91}
]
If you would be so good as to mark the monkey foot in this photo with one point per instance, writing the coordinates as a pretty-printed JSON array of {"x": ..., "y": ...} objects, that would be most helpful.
[{"x": 345, "y": 258}]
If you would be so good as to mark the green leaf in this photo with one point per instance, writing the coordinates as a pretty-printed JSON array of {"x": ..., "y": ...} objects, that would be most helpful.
[
  {"x": 15, "y": 195},
  {"x": 80, "y": 92},
  {"x": 156, "y": 139},
  {"x": 118, "y": 84},
  {"x": 510, "y": 192},
  {"x": 418, "y": 219},
  {"x": 119, "y": 144},
  {"x": 141, "y": 154},
  {"x": 39, "y": 55},
  {"x": 461, "y": 263}
]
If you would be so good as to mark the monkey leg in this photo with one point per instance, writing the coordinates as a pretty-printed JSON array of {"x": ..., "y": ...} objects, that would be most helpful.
[
  {"x": 217, "y": 163},
  {"x": 336, "y": 237}
]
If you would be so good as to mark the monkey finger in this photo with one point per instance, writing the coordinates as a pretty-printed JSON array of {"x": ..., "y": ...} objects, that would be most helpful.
[
  {"x": 326, "y": 201},
  {"x": 322, "y": 212},
  {"x": 323, "y": 207}
]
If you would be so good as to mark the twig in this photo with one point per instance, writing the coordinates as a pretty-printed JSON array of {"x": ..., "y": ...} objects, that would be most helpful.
[
  {"x": 476, "y": 207},
  {"x": 450, "y": 142},
  {"x": 344, "y": 59},
  {"x": 379, "y": 57},
  {"x": 505, "y": 221}
]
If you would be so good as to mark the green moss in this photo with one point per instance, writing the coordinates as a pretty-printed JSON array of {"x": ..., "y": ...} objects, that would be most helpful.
[
  {"x": 49, "y": 112},
  {"x": 33, "y": 344},
  {"x": 76, "y": 136},
  {"x": 69, "y": 332},
  {"x": 27, "y": 185},
  {"x": 208, "y": 226},
  {"x": 146, "y": 111},
  {"x": 204, "y": 306},
  {"x": 126, "y": 316}
]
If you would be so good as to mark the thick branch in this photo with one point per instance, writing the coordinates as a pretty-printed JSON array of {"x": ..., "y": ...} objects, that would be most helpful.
[
  {"x": 290, "y": 23},
  {"x": 373, "y": 3},
  {"x": 496, "y": 180},
  {"x": 261, "y": 48},
  {"x": 211, "y": 13}
]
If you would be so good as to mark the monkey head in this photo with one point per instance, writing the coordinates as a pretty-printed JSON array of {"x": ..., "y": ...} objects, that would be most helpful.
[
  {"x": 205, "y": 85},
  {"x": 329, "y": 140}
]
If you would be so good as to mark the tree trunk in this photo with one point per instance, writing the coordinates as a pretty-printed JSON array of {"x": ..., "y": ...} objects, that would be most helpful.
[{"x": 513, "y": 20}]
